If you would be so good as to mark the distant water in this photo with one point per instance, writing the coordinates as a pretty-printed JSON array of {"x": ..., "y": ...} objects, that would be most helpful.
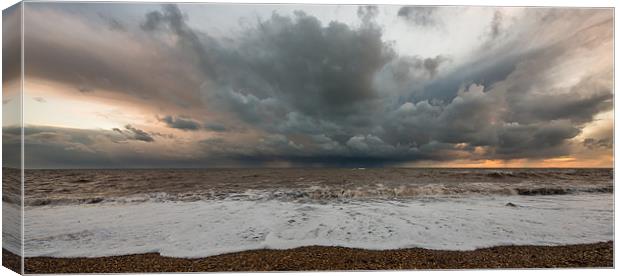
[{"x": 195, "y": 213}]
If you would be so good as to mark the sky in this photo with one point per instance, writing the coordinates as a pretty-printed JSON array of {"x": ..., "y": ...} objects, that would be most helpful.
[{"x": 138, "y": 85}]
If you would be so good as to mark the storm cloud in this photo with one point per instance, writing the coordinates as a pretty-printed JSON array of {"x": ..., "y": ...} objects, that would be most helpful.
[{"x": 296, "y": 89}]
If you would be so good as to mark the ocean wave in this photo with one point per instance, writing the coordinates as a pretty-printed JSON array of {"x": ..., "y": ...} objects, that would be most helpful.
[
  {"x": 326, "y": 193},
  {"x": 88, "y": 187}
]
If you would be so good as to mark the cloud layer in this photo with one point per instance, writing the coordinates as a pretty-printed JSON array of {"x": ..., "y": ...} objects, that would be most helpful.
[{"x": 292, "y": 89}]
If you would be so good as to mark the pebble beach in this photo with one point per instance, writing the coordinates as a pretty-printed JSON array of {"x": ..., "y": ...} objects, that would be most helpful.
[{"x": 598, "y": 255}]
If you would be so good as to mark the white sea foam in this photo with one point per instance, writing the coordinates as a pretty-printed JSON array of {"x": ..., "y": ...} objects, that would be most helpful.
[
  {"x": 11, "y": 227},
  {"x": 204, "y": 228}
]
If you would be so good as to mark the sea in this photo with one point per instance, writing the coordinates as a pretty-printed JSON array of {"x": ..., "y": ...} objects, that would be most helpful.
[{"x": 203, "y": 212}]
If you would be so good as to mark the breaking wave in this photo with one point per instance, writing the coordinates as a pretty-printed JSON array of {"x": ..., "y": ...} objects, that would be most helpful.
[{"x": 323, "y": 193}]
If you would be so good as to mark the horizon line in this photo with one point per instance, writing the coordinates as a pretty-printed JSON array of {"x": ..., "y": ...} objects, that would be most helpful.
[{"x": 295, "y": 167}]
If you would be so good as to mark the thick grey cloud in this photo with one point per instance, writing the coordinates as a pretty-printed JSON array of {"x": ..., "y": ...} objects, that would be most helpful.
[
  {"x": 306, "y": 65},
  {"x": 473, "y": 118},
  {"x": 294, "y": 61},
  {"x": 307, "y": 92},
  {"x": 540, "y": 140}
]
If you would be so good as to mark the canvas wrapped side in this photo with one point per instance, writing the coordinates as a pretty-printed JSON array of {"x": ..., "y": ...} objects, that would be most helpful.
[{"x": 12, "y": 132}]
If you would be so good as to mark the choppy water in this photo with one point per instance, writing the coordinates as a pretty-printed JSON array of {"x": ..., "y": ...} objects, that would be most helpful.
[
  {"x": 195, "y": 213},
  {"x": 65, "y": 187}
]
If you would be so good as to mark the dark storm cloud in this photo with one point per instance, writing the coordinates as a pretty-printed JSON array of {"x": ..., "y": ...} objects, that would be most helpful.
[
  {"x": 290, "y": 61},
  {"x": 529, "y": 126},
  {"x": 322, "y": 71},
  {"x": 359, "y": 150},
  {"x": 181, "y": 122},
  {"x": 313, "y": 93},
  {"x": 575, "y": 105},
  {"x": 132, "y": 133},
  {"x": 419, "y": 15},
  {"x": 540, "y": 140},
  {"x": 295, "y": 70}
]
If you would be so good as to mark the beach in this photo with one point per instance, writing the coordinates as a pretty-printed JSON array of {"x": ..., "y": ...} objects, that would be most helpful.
[
  {"x": 339, "y": 258},
  {"x": 322, "y": 219}
]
